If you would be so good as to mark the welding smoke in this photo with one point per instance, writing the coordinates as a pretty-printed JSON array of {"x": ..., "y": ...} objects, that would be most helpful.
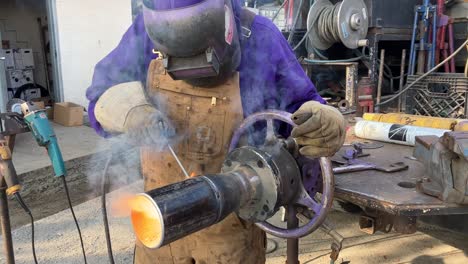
[{"x": 125, "y": 166}]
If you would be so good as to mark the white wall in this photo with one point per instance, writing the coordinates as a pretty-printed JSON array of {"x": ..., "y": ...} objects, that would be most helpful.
[
  {"x": 19, "y": 26},
  {"x": 87, "y": 31}
]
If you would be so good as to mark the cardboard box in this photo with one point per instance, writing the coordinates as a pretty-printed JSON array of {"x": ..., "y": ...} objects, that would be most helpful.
[
  {"x": 50, "y": 112},
  {"x": 39, "y": 104},
  {"x": 47, "y": 100},
  {"x": 68, "y": 114},
  {"x": 45, "y": 103}
]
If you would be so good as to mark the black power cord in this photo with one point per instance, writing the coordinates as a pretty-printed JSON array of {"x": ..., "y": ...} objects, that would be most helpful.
[
  {"x": 74, "y": 217},
  {"x": 26, "y": 209},
  {"x": 105, "y": 189}
]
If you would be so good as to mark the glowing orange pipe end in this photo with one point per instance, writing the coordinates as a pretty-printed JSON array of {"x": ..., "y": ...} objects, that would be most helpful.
[{"x": 147, "y": 221}]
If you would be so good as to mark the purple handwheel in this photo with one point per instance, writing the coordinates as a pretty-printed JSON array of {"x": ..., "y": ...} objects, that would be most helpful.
[{"x": 318, "y": 208}]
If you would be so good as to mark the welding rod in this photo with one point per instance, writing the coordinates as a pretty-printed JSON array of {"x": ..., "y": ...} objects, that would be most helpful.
[
  {"x": 178, "y": 160},
  {"x": 161, "y": 124}
]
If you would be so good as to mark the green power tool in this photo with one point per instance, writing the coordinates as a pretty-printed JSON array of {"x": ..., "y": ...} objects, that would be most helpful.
[{"x": 37, "y": 121}]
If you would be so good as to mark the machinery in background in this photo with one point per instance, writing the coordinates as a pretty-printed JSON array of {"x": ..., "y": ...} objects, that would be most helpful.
[
  {"x": 327, "y": 36},
  {"x": 19, "y": 59},
  {"x": 18, "y": 78},
  {"x": 20, "y": 67},
  {"x": 444, "y": 31},
  {"x": 345, "y": 22},
  {"x": 424, "y": 26}
]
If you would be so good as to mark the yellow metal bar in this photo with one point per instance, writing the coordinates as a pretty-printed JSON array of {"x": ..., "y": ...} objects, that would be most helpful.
[{"x": 421, "y": 121}]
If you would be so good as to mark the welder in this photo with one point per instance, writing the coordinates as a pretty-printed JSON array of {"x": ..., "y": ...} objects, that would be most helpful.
[{"x": 206, "y": 64}]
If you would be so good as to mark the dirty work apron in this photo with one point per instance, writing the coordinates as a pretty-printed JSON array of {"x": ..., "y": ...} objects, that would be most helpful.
[{"x": 205, "y": 118}]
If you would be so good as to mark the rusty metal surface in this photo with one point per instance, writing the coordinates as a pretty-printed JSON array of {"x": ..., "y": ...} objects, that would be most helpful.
[
  {"x": 351, "y": 77},
  {"x": 351, "y": 83},
  {"x": 394, "y": 193}
]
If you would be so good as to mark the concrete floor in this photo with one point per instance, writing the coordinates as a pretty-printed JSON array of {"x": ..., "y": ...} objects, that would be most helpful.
[
  {"x": 74, "y": 142},
  {"x": 57, "y": 241}
]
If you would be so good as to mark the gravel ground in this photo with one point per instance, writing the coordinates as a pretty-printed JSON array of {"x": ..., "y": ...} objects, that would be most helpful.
[{"x": 57, "y": 241}]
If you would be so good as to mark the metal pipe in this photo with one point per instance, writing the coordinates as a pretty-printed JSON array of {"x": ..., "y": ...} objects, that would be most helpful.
[
  {"x": 163, "y": 215},
  {"x": 365, "y": 97},
  {"x": 373, "y": 55},
  {"x": 439, "y": 41},
  {"x": 292, "y": 244},
  {"x": 440, "y": 7},
  {"x": 423, "y": 26},
  {"x": 402, "y": 98},
  {"x": 421, "y": 61},
  {"x": 434, "y": 41},
  {"x": 413, "y": 44},
  {"x": 379, "y": 84},
  {"x": 5, "y": 224},
  {"x": 441, "y": 46},
  {"x": 451, "y": 48}
]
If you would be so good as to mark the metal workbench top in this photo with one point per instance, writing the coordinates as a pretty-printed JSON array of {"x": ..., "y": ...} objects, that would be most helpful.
[{"x": 394, "y": 193}]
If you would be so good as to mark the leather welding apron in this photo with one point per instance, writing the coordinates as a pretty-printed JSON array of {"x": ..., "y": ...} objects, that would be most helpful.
[{"x": 205, "y": 119}]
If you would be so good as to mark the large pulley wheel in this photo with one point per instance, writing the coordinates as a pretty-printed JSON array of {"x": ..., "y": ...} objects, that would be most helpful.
[{"x": 319, "y": 209}]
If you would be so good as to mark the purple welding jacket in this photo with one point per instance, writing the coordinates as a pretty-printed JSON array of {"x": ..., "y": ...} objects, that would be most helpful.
[
  {"x": 166, "y": 5},
  {"x": 270, "y": 76}
]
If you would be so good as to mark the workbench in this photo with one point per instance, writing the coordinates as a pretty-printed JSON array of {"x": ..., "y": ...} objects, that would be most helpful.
[{"x": 392, "y": 193}]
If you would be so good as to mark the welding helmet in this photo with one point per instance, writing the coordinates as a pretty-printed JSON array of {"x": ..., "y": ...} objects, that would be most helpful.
[{"x": 197, "y": 39}]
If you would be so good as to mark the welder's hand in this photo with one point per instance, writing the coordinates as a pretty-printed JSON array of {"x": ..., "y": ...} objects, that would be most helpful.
[
  {"x": 320, "y": 131},
  {"x": 146, "y": 126}
]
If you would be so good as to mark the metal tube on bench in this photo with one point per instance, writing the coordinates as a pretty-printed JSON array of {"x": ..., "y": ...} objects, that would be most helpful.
[{"x": 394, "y": 133}]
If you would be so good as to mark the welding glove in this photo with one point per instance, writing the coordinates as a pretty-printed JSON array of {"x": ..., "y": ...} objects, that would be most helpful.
[
  {"x": 320, "y": 130},
  {"x": 146, "y": 126},
  {"x": 123, "y": 108}
]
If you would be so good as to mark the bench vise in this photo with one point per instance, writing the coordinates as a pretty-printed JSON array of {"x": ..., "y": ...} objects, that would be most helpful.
[{"x": 446, "y": 162}]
